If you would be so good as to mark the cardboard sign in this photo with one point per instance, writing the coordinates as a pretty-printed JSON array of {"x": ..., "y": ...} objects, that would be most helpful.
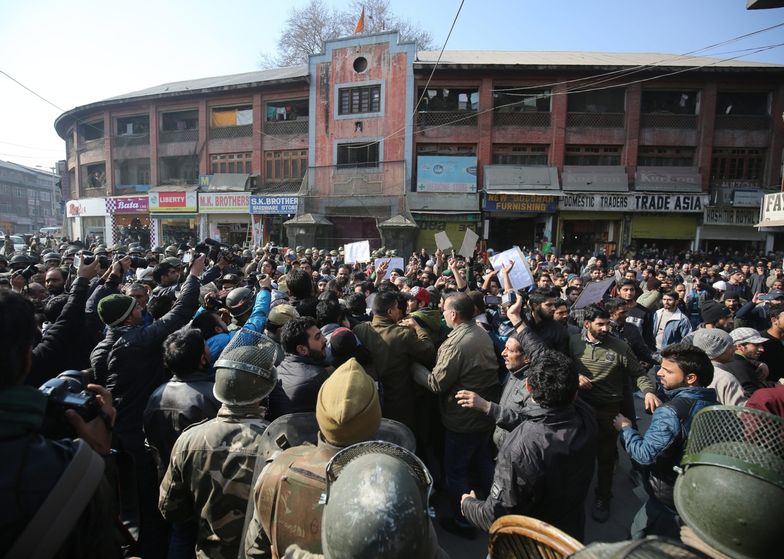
[
  {"x": 520, "y": 276},
  {"x": 469, "y": 244},
  {"x": 593, "y": 293},
  {"x": 394, "y": 262},
  {"x": 442, "y": 241},
  {"x": 357, "y": 252}
]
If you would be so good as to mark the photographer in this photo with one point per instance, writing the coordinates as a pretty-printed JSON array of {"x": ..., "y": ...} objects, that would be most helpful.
[{"x": 33, "y": 464}]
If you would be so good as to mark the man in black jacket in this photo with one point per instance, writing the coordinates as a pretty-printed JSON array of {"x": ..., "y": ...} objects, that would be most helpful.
[
  {"x": 546, "y": 465},
  {"x": 637, "y": 331},
  {"x": 132, "y": 356}
]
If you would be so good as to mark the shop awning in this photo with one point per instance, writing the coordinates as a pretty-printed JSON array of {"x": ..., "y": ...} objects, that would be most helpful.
[
  {"x": 668, "y": 179},
  {"x": 600, "y": 178},
  {"x": 529, "y": 192},
  {"x": 777, "y": 223},
  {"x": 234, "y": 182},
  {"x": 731, "y": 233},
  {"x": 521, "y": 179}
]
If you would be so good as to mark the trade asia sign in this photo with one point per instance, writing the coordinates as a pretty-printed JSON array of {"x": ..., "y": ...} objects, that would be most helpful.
[
  {"x": 175, "y": 201},
  {"x": 274, "y": 205},
  {"x": 446, "y": 173},
  {"x": 223, "y": 203}
]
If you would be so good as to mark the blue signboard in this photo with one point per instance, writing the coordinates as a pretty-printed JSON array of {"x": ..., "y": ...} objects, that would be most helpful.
[
  {"x": 446, "y": 173},
  {"x": 273, "y": 205}
]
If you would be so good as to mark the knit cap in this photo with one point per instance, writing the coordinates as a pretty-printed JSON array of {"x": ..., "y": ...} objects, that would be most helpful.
[
  {"x": 347, "y": 408},
  {"x": 711, "y": 311},
  {"x": 281, "y": 314},
  {"x": 115, "y": 308},
  {"x": 712, "y": 341}
]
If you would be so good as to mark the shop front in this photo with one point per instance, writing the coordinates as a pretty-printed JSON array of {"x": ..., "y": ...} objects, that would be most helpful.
[
  {"x": 453, "y": 224},
  {"x": 589, "y": 232},
  {"x": 666, "y": 221},
  {"x": 86, "y": 220},
  {"x": 730, "y": 229},
  {"x": 129, "y": 219},
  {"x": 516, "y": 219},
  {"x": 174, "y": 215},
  {"x": 771, "y": 221},
  {"x": 225, "y": 217},
  {"x": 268, "y": 214}
]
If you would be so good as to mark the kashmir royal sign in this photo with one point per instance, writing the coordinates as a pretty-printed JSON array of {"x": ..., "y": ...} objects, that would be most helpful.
[
  {"x": 223, "y": 203},
  {"x": 634, "y": 202}
]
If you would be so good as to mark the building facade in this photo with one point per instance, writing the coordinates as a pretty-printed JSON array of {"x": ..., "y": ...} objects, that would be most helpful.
[
  {"x": 597, "y": 152},
  {"x": 29, "y": 199}
]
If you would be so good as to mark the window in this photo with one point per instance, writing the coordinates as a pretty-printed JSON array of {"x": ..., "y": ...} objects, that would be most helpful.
[
  {"x": 449, "y": 99},
  {"x": 669, "y": 102},
  {"x": 232, "y": 116},
  {"x": 363, "y": 154},
  {"x": 738, "y": 164},
  {"x": 180, "y": 120},
  {"x": 91, "y": 130},
  {"x": 94, "y": 176},
  {"x": 748, "y": 103},
  {"x": 133, "y": 125},
  {"x": 653, "y": 156},
  {"x": 285, "y": 165},
  {"x": 602, "y": 101},
  {"x": 129, "y": 172},
  {"x": 359, "y": 100},
  {"x": 521, "y": 100},
  {"x": 287, "y": 110},
  {"x": 520, "y": 155},
  {"x": 231, "y": 163},
  {"x": 593, "y": 155},
  {"x": 179, "y": 170}
]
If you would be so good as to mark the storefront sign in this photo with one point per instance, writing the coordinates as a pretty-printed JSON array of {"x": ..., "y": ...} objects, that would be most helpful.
[
  {"x": 773, "y": 210},
  {"x": 520, "y": 203},
  {"x": 227, "y": 203},
  {"x": 127, "y": 205},
  {"x": 667, "y": 178},
  {"x": 746, "y": 198},
  {"x": 638, "y": 202},
  {"x": 180, "y": 202},
  {"x": 273, "y": 205},
  {"x": 446, "y": 173},
  {"x": 86, "y": 207},
  {"x": 730, "y": 216}
]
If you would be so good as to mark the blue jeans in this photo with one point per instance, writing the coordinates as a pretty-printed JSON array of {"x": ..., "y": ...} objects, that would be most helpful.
[{"x": 467, "y": 456}]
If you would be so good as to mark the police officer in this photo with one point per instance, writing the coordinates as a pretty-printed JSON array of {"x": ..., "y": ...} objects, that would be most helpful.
[{"x": 197, "y": 486}]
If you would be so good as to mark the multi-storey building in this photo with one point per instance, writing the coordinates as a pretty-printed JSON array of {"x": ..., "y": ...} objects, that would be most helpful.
[
  {"x": 29, "y": 199},
  {"x": 372, "y": 140}
]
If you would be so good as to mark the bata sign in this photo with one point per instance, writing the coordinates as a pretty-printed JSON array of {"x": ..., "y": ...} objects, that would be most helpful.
[
  {"x": 174, "y": 202},
  {"x": 127, "y": 205},
  {"x": 223, "y": 203},
  {"x": 640, "y": 202}
]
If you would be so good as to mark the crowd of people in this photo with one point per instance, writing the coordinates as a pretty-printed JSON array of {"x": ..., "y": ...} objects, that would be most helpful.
[{"x": 278, "y": 401}]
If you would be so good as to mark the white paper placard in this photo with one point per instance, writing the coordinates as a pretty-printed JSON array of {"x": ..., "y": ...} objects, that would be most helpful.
[
  {"x": 593, "y": 293},
  {"x": 520, "y": 276},
  {"x": 394, "y": 262},
  {"x": 469, "y": 243},
  {"x": 357, "y": 252},
  {"x": 442, "y": 241}
]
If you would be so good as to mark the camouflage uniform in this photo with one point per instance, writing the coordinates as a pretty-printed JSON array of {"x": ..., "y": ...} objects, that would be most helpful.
[{"x": 209, "y": 478}]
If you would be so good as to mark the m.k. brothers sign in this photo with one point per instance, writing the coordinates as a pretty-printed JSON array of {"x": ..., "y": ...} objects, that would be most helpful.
[{"x": 634, "y": 202}]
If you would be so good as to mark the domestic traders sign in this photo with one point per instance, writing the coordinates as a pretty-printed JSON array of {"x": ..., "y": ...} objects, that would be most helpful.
[
  {"x": 520, "y": 203},
  {"x": 176, "y": 201},
  {"x": 274, "y": 205},
  {"x": 223, "y": 202},
  {"x": 634, "y": 202}
]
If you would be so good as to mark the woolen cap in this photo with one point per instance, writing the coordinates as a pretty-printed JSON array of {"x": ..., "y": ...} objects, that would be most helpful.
[
  {"x": 347, "y": 408},
  {"x": 747, "y": 336},
  {"x": 115, "y": 308},
  {"x": 712, "y": 312},
  {"x": 713, "y": 341}
]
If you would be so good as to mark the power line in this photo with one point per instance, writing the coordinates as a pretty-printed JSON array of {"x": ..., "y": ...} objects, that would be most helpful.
[
  {"x": 28, "y": 147},
  {"x": 30, "y": 90}
]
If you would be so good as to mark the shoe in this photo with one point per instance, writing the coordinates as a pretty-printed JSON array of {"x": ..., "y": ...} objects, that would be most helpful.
[
  {"x": 453, "y": 527},
  {"x": 601, "y": 510}
]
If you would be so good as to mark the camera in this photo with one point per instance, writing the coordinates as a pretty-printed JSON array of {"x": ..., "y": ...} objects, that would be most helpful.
[
  {"x": 104, "y": 260},
  {"x": 509, "y": 298},
  {"x": 136, "y": 262},
  {"x": 67, "y": 392},
  {"x": 492, "y": 300},
  {"x": 29, "y": 272}
]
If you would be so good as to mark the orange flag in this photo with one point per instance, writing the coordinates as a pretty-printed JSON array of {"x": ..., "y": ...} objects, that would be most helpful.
[{"x": 361, "y": 23}]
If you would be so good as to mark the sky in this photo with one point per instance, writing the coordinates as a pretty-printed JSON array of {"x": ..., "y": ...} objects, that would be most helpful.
[{"x": 74, "y": 53}]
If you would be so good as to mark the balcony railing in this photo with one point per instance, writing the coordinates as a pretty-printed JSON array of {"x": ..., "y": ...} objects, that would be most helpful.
[
  {"x": 688, "y": 122},
  {"x": 171, "y": 136},
  {"x": 132, "y": 140},
  {"x": 227, "y": 132},
  {"x": 90, "y": 145},
  {"x": 532, "y": 119},
  {"x": 446, "y": 118},
  {"x": 387, "y": 178},
  {"x": 283, "y": 127},
  {"x": 595, "y": 120},
  {"x": 742, "y": 122}
]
